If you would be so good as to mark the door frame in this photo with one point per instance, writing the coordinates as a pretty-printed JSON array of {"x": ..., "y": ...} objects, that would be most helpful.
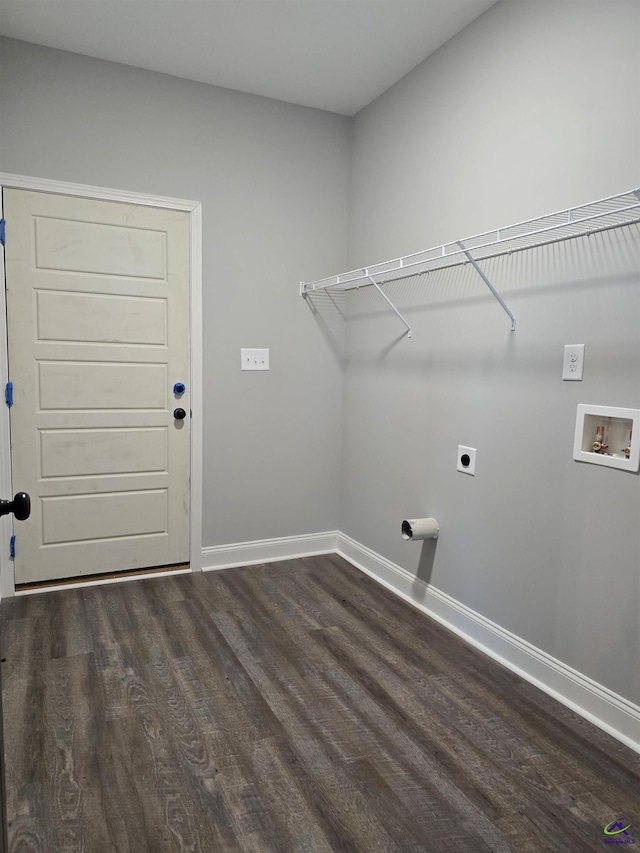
[{"x": 194, "y": 209}]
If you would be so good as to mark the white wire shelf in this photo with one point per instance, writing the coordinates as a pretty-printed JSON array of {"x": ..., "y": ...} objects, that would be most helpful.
[{"x": 584, "y": 220}]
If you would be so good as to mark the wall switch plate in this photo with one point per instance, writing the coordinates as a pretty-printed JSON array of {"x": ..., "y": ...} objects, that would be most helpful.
[
  {"x": 254, "y": 359},
  {"x": 573, "y": 363},
  {"x": 466, "y": 460}
]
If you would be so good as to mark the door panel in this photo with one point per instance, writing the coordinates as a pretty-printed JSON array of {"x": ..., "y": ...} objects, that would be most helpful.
[
  {"x": 98, "y": 317},
  {"x": 91, "y": 247},
  {"x": 97, "y": 385},
  {"x": 91, "y": 452},
  {"x": 104, "y": 516}
]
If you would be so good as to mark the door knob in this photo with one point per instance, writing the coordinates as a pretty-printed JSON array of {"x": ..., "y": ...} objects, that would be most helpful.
[
  {"x": 20, "y": 506},
  {"x": 179, "y": 414}
]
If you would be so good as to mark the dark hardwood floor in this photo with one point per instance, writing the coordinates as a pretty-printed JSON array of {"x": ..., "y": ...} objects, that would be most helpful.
[{"x": 296, "y": 706}]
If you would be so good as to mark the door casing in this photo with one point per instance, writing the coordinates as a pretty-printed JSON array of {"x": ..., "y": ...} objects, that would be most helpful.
[{"x": 194, "y": 209}]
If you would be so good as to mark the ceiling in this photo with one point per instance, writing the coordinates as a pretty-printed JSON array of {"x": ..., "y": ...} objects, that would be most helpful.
[{"x": 336, "y": 55}]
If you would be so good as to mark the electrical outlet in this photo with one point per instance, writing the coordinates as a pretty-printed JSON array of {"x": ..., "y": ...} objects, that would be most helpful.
[
  {"x": 573, "y": 363},
  {"x": 466, "y": 460},
  {"x": 254, "y": 359}
]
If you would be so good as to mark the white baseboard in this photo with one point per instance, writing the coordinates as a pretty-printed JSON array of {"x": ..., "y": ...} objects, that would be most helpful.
[
  {"x": 268, "y": 550},
  {"x": 614, "y": 714}
]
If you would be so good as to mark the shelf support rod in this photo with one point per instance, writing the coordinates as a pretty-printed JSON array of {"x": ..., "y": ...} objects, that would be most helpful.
[
  {"x": 389, "y": 302},
  {"x": 473, "y": 263}
]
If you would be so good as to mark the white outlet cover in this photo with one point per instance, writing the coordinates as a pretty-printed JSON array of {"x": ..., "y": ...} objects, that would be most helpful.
[
  {"x": 573, "y": 362},
  {"x": 470, "y": 467}
]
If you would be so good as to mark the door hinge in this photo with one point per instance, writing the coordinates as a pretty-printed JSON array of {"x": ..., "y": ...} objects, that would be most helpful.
[
  {"x": 3, "y": 222},
  {"x": 12, "y": 547},
  {"x": 8, "y": 394}
]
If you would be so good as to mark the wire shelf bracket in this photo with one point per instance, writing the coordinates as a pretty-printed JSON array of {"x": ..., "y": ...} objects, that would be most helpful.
[
  {"x": 390, "y": 303},
  {"x": 474, "y": 264},
  {"x": 584, "y": 220}
]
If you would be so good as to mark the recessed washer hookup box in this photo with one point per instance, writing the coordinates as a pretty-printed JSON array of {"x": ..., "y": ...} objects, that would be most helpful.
[{"x": 606, "y": 435}]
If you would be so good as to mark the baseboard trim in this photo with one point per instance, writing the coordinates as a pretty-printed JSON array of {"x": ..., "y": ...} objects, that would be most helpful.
[
  {"x": 613, "y": 713},
  {"x": 268, "y": 550}
]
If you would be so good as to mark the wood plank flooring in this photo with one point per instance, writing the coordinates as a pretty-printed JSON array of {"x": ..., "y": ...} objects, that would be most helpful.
[{"x": 296, "y": 706}]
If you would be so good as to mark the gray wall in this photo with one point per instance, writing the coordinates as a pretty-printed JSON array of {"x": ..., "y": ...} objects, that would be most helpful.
[
  {"x": 532, "y": 108},
  {"x": 273, "y": 180}
]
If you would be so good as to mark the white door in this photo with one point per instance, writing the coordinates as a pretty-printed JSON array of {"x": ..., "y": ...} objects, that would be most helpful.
[{"x": 98, "y": 327}]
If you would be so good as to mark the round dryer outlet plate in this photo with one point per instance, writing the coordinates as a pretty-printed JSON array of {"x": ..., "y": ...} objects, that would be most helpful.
[{"x": 466, "y": 460}]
